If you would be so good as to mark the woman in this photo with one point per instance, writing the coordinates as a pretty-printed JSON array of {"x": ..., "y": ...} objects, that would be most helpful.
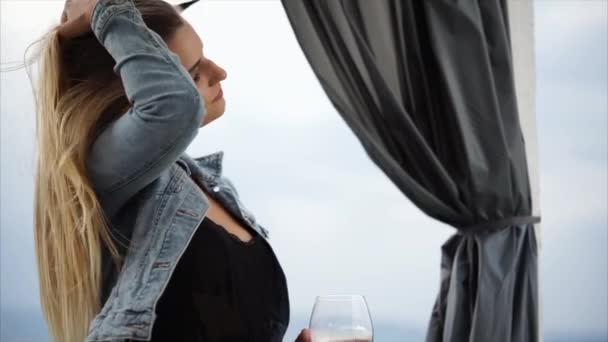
[{"x": 136, "y": 240}]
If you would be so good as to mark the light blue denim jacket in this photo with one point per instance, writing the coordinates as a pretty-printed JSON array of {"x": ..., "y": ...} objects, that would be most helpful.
[{"x": 146, "y": 183}]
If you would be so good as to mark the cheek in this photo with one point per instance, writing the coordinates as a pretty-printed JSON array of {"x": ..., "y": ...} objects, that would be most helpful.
[
  {"x": 206, "y": 101},
  {"x": 202, "y": 92}
]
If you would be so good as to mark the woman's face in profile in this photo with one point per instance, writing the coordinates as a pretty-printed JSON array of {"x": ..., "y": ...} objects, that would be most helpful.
[{"x": 206, "y": 74}]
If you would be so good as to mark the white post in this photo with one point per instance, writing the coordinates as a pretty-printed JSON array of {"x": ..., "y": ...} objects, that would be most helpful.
[{"x": 521, "y": 19}]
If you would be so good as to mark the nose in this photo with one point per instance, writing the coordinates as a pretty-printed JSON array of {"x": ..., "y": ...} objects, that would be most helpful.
[{"x": 218, "y": 73}]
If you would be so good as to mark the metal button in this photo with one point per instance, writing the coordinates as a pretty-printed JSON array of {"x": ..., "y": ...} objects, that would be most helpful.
[{"x": 216, "y": 188}]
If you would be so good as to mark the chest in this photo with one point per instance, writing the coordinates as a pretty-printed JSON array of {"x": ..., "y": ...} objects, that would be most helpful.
[{"x": 218, "y": 214}]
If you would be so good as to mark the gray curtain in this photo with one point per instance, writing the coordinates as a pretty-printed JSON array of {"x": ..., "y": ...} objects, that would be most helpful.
[{"x": 428, "y": 89}]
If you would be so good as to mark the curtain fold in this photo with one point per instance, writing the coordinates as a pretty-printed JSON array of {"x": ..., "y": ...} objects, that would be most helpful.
[{"x": 428, "y": 89}]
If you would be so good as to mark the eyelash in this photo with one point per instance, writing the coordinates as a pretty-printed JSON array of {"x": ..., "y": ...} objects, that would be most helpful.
[{"x": 197, "y": 77}]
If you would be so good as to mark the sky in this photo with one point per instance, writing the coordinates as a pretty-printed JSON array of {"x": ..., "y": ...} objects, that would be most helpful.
[{"x": 337, "y": 224}]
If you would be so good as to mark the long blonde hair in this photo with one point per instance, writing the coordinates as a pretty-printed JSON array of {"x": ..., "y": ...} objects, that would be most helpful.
[{"x": 77, "y": 94}]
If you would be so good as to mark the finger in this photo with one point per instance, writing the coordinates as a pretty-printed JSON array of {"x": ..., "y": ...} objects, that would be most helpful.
[
  {"x": 64, "y": 14},
  {"x": 67, "y": 30},
  {"x": 304, "y": 336},
  {"x": 73, "y": 28}
]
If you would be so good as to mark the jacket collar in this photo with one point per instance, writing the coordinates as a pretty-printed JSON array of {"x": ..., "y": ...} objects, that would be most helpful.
[{"x": 208, "y": 167}]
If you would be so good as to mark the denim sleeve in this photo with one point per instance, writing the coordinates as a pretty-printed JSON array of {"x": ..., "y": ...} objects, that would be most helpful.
[{"x": 166, "y": 111}]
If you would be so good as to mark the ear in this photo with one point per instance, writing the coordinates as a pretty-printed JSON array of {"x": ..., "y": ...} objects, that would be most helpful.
[{"x": 181, "y": 7}]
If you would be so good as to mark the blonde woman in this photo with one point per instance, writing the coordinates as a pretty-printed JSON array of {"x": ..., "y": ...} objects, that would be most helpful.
[{"x": 136, "y": 240}]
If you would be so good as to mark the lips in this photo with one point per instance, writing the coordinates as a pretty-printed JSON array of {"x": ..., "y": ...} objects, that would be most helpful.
[{"x": 219, "y": 96}]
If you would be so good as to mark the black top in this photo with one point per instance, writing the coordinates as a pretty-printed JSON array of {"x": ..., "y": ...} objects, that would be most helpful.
[{"x": 224, "y": 289}]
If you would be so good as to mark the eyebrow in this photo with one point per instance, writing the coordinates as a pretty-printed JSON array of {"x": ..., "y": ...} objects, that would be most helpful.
[{"x": 195, "y": 65}]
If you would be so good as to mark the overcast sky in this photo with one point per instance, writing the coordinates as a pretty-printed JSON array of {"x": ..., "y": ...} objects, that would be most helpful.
[{"x": 338, "y": 225}]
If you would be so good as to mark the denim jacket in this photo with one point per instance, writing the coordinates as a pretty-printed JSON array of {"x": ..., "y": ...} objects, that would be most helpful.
[{"x": 149, "y": 188}]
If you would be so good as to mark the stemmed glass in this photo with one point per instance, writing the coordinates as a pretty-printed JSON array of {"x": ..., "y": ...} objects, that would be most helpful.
[{"x": 341, "y": 318}]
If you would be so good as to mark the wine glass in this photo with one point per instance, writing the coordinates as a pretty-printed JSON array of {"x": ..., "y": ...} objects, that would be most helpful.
[{"x": 341, "y": 318}]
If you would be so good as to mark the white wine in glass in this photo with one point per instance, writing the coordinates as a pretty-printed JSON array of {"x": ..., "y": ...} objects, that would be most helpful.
[{"x": 341, "y": 318}]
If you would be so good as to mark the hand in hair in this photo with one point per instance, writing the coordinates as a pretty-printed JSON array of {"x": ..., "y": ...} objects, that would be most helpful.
[{"x": 76, "y": 18}]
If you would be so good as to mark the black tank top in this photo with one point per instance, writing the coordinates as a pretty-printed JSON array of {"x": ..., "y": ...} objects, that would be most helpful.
[{"x": 224, "y": 289}]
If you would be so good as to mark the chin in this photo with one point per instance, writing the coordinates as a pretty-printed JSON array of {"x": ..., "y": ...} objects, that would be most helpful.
[
  {"x": 214, "y": 112},
  {"x": 210, "y": 117}
]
